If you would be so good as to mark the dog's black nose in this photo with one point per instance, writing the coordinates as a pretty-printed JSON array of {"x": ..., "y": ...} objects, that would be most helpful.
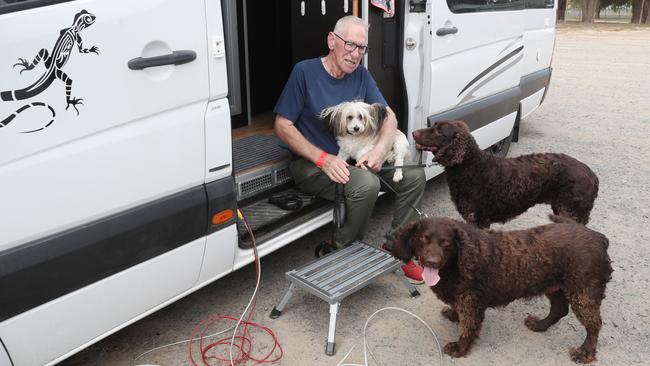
[{"x": 356, "y": 128}]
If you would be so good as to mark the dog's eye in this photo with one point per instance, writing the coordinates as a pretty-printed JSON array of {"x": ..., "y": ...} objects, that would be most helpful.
[
  {"x": 359, "y": 117},
  {"x": 350, "y": 118}
]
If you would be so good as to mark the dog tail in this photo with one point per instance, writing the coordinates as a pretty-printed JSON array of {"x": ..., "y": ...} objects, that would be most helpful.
[{"x": 562, "y": 219}]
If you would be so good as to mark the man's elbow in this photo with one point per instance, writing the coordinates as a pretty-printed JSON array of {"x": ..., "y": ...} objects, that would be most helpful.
[
  {"x": 391, "y": 118},
  {"x": 280, "y": 126}
]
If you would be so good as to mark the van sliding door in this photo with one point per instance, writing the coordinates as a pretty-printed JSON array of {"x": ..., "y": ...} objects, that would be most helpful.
[{"x": 471, "y": 63}]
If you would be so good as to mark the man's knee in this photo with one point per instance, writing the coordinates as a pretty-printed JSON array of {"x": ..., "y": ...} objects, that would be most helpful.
[
  {"x": 362, "y": 184},
  {"x": 414, "y": 177}
]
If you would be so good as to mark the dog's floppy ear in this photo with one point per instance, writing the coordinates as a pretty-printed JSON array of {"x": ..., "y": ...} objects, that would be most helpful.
[
  {"x": 461, "y": 237},
  {"x": 447, "y": 128},
  {"x": 332, "y": 118},
  {"x": 403, "y": 241},
  {"x": 378, "y": 112},
  {"x": 465, "y": 250},
  {"x": 454, "y": 152}
]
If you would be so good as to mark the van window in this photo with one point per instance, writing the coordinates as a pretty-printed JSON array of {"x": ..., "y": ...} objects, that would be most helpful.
[
  {"x": 474, "y": 6},
  {"x": 10, "y": 6},
  {"x": 539, "y": 4}
]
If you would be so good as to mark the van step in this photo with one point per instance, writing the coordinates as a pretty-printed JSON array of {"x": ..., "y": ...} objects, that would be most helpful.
[
  {"x": 338, "y": 275},
  {"x": 259, "y": 164},
  {"x": 264, "y": 217},
  {"x": 343, "y": 271},
  {"x": 259, "y": 150}
]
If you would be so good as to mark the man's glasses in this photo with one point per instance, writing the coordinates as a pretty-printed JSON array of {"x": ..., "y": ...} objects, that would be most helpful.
[{"x": 351, "y": 46}]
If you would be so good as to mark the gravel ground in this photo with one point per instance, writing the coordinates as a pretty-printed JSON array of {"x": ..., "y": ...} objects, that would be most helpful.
[{"x": 597, "y": 110}]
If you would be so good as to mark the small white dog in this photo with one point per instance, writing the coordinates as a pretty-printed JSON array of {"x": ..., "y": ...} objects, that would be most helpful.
[{"x": 356, "y": 126}]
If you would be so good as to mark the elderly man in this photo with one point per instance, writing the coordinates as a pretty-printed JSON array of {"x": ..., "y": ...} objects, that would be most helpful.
[{"x": 316, "y": 84}]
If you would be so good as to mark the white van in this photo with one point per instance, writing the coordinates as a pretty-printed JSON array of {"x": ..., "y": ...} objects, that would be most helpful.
[{"x": 131, "y": 131}]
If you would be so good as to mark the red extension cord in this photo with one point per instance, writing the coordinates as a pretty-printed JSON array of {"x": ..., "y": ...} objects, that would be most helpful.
[{"x": 243, "y": 340}]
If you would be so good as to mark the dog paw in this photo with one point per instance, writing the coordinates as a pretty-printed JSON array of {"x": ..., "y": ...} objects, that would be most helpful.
[
  {"x": 449, "y": 313},
  {"x": 581, "y": 355},
  {"x": 398, "y": 176},
  {"x": 535, "y": 324},
  {"x": 455, "y": 349}
]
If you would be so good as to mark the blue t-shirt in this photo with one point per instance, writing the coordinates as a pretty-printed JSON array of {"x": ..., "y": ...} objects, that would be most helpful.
[{"x": 310, "y": 89}]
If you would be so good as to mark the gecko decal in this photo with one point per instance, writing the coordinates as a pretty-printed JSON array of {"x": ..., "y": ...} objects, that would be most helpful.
[{"x": 54, "y": 63}]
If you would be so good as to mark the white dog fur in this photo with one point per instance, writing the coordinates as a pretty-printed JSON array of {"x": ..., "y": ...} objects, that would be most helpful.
[{"x": 356, "y": 125}]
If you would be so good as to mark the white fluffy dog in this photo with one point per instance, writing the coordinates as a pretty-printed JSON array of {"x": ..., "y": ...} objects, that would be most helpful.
[{"x": 356, "y": 126}]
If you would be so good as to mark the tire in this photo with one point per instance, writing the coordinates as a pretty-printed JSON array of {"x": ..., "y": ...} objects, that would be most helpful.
[{"x": 502, "y": 147}]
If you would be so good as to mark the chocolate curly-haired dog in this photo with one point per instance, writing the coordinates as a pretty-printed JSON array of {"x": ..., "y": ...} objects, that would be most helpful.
[
  {"x": 486, "y": 188},
  {"x": 472, "y": 269}
]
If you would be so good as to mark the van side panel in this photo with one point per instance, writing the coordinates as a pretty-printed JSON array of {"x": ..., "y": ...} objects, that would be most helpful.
[
  {"x": 218, "y": 141},
  {"x": 41, "y": 271},
  {"x": 5, "y": 359},
  {"x": 539, "y": 38},
  {"x": 219, "y": 255},
  {"x": 139, "y": 134},
  {"x": 78, "y": 319},
  {"x": 91, "y": 139},
  {"x": 216, "y": 50},
  {"x": 482, "y": 57}
]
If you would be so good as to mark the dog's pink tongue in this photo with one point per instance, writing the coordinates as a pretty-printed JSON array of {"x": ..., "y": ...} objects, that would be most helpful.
[{"x": 431, "y": 276}]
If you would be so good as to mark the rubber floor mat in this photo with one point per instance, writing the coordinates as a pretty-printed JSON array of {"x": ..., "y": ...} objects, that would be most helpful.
[{"x": 252, "y": 151}]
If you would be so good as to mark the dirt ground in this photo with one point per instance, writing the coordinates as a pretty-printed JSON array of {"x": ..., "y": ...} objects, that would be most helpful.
[{"x": 597, "y": 110}]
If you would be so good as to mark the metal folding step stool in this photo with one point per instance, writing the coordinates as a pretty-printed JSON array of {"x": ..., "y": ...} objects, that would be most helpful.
[{"x": 339, "y": 274}]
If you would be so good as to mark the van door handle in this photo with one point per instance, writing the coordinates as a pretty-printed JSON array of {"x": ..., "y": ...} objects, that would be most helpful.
[
  {"x": 444, "y": 31},
  {"x": 174, "y": 58}
]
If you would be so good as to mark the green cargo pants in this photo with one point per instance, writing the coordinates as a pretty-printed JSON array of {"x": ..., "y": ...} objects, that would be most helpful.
[{"x": 360, "y": 195}]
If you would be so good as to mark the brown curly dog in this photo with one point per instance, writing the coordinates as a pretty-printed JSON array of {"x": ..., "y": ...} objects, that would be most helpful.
[
  {"x": 487, "y": 188},
  {"x": 471, "y": 269}
]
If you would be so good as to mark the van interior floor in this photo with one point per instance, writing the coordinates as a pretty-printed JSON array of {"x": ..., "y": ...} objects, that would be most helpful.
[
  {"x": 261, "y": 170},
  {"x": 260, "y": 124}
]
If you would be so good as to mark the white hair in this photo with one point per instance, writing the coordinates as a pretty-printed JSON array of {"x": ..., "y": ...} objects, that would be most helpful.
[{"x": 342, "y": 24}]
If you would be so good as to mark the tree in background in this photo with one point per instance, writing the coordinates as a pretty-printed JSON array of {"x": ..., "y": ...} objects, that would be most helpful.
[
  {"x": 614, "y": 5},
  {"x": 561, "y": 9},
  {"x": 640, "y": 11},
  {"x": 589, "y": 8}
]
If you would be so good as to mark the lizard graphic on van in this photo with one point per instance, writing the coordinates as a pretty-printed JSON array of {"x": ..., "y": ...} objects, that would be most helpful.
[{"x": 54, "y": 63}]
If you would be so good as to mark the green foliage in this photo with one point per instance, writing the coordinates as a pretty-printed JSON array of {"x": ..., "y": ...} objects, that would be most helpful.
[{"x": 616, "y": 4}]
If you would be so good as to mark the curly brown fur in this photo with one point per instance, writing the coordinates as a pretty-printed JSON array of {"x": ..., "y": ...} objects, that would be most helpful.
[
  {"x": 487, "y": 189},
  {"x": 480, "y": 269}
]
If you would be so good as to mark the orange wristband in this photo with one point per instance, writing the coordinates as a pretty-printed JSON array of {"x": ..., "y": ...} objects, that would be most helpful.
[{"x": 321, "y": 159}]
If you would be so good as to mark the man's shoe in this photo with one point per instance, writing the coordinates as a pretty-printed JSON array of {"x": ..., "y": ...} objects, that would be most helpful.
[
  {"x": 411, "y": 270},
  {"x": 323, "y": 248}
]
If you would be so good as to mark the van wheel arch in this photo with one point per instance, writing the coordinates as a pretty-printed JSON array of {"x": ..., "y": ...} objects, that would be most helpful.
[{"x": 502, "y": 147}]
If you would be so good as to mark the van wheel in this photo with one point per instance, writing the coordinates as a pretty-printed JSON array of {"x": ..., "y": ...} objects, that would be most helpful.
[{"x": 501, "y": 148}]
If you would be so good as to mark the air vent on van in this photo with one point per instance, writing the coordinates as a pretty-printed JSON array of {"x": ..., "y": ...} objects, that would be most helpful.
[
  {"x": 257, "y": 184},
  {"x": 262, "y": 179},
  {"x": 262, "y": 168}
]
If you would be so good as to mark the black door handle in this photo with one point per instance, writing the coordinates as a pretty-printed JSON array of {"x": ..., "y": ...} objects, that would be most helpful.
[
  {"x": 174, "y": 58},
  {"x": 444, "y": 31}
]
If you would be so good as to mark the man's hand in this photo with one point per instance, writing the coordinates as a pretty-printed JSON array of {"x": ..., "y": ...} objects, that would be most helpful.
[
  {"x": 336, "y": 169},
  {"x": 373, "y": 160}
]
